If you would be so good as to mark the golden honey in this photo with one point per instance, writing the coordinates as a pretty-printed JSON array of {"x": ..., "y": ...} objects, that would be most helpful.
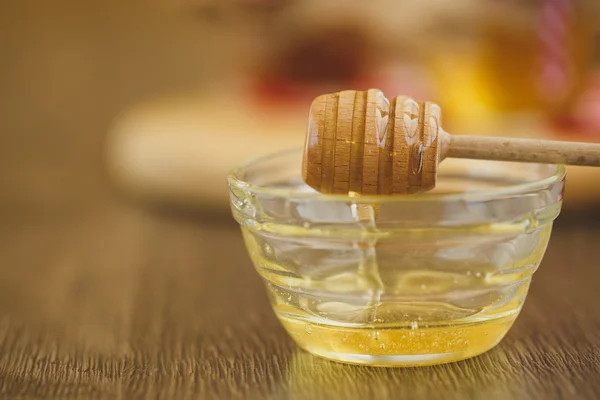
[{"x": 412, "y": 345}]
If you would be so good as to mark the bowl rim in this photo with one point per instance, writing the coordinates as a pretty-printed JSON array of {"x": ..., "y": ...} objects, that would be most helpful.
[{"x": 519, "y": 189}]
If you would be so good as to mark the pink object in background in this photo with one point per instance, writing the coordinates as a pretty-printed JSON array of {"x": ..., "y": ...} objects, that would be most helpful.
[
  {"x": 555, "y": 74},
  {"x": 583, "y": 123}
]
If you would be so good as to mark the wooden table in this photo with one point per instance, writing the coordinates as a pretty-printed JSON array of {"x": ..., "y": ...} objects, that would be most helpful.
[{"x": 126, "y": 302}]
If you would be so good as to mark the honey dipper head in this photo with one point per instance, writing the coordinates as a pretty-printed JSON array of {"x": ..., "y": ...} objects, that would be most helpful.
[{"x": 360, "y": 142}]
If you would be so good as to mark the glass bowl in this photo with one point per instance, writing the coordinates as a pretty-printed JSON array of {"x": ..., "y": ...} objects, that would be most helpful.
[{"x": 398, "y": 280}]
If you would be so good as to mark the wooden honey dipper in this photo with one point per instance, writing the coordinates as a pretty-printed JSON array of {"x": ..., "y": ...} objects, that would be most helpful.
[{"x": 359, "y": 142}]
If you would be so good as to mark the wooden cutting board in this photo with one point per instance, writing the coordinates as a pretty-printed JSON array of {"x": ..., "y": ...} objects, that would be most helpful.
[{"x": 179, "y": 151}]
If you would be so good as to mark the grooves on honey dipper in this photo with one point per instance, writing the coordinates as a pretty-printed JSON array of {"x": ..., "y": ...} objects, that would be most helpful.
[{"x": 361, "y": 143}]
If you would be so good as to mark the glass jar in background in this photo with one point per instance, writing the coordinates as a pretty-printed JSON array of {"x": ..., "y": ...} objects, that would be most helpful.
[
  {"x": 514, "y": 58},
  {"x": 490, "y": 64}
]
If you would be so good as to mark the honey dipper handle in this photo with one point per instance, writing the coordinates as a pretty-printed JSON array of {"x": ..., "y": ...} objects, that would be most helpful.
[{"x": 523, "y": 150}]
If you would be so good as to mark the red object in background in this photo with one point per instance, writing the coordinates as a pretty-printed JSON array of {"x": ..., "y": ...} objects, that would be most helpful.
[
  {"x": 394, "y": 79},
  {"x": 278, "y": 92},
  {"x": 584, "y": 122}
]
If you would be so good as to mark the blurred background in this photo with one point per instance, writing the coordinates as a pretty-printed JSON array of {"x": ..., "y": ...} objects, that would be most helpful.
[
  {"x": 159, "y": 99},
  {"x": 115, "y": 111}
]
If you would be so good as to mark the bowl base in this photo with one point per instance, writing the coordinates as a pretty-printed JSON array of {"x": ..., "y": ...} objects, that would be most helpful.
[{"x": 412, "y": 345}]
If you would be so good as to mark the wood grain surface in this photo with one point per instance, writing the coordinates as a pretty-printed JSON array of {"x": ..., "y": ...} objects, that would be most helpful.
[
  {"x": 102, "y": 298},
  {"x": 520, "y": 149},
  {"x": 365, "y": 143},
  {"x": 132, "y": 303}
]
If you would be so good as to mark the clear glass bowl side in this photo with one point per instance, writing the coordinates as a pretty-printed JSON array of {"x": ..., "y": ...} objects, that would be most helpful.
[{"x": 408, "y": 280}]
